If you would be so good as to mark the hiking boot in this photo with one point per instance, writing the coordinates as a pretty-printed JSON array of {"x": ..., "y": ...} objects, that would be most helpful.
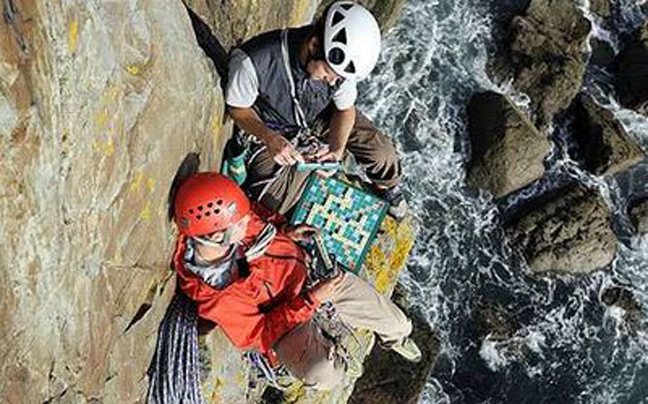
[{"x": 408, "y": 350}]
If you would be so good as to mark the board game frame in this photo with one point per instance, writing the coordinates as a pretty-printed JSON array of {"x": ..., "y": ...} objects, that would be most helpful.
[{"x": 372, "y": 236}]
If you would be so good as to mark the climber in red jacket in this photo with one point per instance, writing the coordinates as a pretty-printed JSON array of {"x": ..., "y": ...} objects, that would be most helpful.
[{"x": 249, "y": 278}]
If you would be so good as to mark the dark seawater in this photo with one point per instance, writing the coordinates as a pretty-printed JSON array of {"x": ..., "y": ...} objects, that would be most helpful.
[{"x": 567, "y": 347}]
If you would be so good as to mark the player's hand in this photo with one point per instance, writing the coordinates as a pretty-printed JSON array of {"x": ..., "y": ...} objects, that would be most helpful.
[
  {"x": 326, "y": 154},
  {"x": 282, "y": 151},
  {"x": 327, "y": 289},
  {"x": 300, "y": 232}
]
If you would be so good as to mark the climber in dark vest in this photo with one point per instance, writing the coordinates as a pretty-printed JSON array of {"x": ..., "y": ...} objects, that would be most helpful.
[{"x": 294, "y": 90}]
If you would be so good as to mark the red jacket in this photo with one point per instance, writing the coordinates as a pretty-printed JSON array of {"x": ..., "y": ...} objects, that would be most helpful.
[{"x": 255, "y": 311}]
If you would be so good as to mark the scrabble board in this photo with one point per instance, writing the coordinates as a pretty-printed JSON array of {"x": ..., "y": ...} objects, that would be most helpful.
[{"x": 348, "y": 217}]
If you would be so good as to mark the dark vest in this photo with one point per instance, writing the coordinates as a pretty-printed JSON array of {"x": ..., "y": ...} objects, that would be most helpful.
[{"x": 274, "y": 104}]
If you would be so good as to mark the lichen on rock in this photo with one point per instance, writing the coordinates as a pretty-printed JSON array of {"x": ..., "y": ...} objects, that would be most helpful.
[{"x": 101, "y": 101}]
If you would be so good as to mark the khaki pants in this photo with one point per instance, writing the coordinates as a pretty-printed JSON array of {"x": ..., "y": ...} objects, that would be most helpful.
[
  {"x": 310, "y": 357},
  {"x": 370, "y": 148}
]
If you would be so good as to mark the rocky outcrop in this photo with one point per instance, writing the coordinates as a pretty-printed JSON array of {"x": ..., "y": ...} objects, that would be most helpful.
[
  {"x": 604, "y": 144},
  {"x": 386, "y": 12},
  {"x": 568, "y": 231},
  {"x": 388, "y": 378},
  {"x": 507, "y": 150},
  {"x": 601, "y": 8},
  {"x": 632, "y": 72},
  {"x": 547, "y": 55},
  {"x": 638, "y": 213},
  {"x": 625, "y": 300},
  {"x": 235, "y": 21},
  {"x": 494, "y": 322},
  {"x": 99, "y": 103}
]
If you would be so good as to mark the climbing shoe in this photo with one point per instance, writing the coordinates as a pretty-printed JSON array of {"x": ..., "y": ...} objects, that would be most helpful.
[{"x": 408, "y": 350}]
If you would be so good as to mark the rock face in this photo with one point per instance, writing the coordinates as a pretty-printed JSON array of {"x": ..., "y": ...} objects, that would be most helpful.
[
  {"x": 99, "y": 103},
  {"x": 386, "y": 12},
  {"x": 507, "y": 150},
  {"x": 567, "y": 232},
  {"x": 235, "y": 21},
  {"x": 632, "y": 72},
  {"x": 603, "y": 142},
  {"x": 547, "y": 55},
  {"x": 639, "y": 215}
]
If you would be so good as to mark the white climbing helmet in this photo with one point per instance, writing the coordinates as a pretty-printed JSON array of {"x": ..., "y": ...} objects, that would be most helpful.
[{"x": 351, "y": 40}]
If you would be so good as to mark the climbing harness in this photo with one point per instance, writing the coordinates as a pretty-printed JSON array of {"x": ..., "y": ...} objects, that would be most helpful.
[{"x": 306, "y": 142}]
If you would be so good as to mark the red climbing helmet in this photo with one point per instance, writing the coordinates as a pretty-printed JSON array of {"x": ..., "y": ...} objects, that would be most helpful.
[{"x": 207, "y": 203}]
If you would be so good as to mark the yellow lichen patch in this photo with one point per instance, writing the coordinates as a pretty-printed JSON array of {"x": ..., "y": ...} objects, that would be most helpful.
[
  {"x": 101, "y": 119},
  {"x": 147, "y": 212},
  {"x": 240, "y": 378},
  {"x": 388, "y": 254},
  {"x": 109, "y": 150},
  {"x": 137, "y": 181},
  {"x": 134, "y": 70},
  {"x": 295, "y": 392},
  {"x": 73, "y": 35},
  {"x": 216, "y": 396},
  {"x": 150, "y": 184},
  {"x": 106, "y": 148}
]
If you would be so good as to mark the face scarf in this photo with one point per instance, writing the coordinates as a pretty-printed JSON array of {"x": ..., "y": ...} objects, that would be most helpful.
[{"x": 218, "y": 274}]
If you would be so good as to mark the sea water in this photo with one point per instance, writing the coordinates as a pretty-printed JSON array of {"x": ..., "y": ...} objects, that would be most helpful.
[{"x": 567, "y": 347}]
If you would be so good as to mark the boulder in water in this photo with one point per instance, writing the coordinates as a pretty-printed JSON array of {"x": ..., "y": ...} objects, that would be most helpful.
[
  {"x": 507, "y": 150},
  {"x": 494, "y": 322},
  {"x": 632, "y": 72},
  {"x": 639, "y": 215},
  {"x": 624, "y": 298},
  {"x": 601, "y": 8},
  {"x": 603, "y": 142},
  {"x": 547, "y": 54},
  {"x": 566, "y": 231}
]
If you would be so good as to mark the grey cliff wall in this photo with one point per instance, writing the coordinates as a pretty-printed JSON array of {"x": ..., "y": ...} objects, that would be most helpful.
[{"x": 99, "y": 104}]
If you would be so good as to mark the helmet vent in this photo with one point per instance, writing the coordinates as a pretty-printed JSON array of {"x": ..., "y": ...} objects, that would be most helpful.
[
  {"x": 219, "y": 202},
  {"x": 191, "y": 211},
  {"x": 346, "y": 6},
  {"x": 208, "y": 213},
  {"x": 340, "y": 36},
  {"x": 337, "y": 17},
  {"x": 217, "y": 211},
  {"x": 350, "y": 68},
  {"x": 336, "y": 56},
  {"x": 200, "y": 208},
  {"x": 198, "y": 217},
  {"x": 209, "y": 205}
]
